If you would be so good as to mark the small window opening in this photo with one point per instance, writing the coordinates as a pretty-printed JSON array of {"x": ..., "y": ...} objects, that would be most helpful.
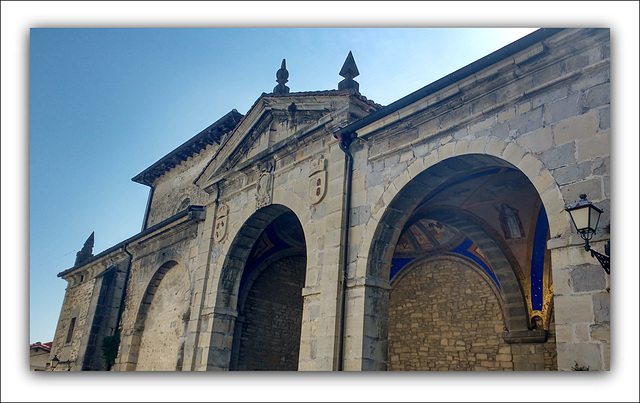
[{"x": 70, "y": 332}]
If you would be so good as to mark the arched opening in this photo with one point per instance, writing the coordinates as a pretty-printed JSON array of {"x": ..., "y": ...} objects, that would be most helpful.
[
  {"x": 162, "y": 320},
  {"x": 261, "y": 287},
  {"x": 446, "y": 314},
  {"x": 473, "y": 230}
]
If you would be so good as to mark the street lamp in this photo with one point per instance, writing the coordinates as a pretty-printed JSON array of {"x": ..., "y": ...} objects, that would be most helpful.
[
  {"x": 585, "y": 217},
  {"x": 55, "y": 361}
]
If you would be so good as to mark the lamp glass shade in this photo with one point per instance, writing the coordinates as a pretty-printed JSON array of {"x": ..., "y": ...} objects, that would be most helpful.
[
  {"x": 54, "y": 361},
  {"x": 585, "y": 218}
]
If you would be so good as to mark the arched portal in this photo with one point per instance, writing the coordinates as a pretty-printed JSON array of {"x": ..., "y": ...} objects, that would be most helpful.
[
  {"x": 162, "y": 320},
  {"x": 482, "y": 210},
  {"x": 432, "y": 328},
  {"x": 260, "y": 294}
]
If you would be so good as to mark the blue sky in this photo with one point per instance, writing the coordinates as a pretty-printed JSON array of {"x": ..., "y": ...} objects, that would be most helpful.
[{"x": 85, "y": 110}]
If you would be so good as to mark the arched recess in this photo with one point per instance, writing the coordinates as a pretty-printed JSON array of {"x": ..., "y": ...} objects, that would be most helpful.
[
  {"x": 161, "y": 322},
  {"x": 269, "y": 246},
  {"x": 454, "y": 192},
  {"x": 432, "y": 328}
]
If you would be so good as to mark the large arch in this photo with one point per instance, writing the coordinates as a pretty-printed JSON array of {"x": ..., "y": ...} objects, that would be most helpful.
[
  {"x": 433, "y": 329},
  {"x": 418, "y": 195},
  {"x": 241, "y": 271},
  {"x": 161, "y": 321}
]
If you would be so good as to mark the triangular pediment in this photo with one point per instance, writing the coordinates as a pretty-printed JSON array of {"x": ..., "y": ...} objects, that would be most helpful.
[{"x": 275, "y": 122}]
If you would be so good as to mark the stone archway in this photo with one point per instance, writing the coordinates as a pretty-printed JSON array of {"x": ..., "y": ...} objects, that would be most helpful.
[
  {"x": 432, "y": 328},
  {"x": 162, "y": 320},
  {"x": 470, "y": 193},
  {"x": 268, "y": 251}
]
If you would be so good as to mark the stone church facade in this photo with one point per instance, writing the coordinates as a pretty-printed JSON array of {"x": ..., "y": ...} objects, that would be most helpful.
[{"x": 323, "y": 232}]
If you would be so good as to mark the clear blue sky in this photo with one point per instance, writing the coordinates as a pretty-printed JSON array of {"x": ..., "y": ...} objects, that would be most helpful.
[{"x": 98, "y": 106}]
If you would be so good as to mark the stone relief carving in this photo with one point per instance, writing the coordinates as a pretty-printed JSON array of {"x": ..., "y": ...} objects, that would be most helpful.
[
  {"x": 264, "y": 186},
  {"x": 317, "y": 181},
  {"x": 220, "y": 225}
]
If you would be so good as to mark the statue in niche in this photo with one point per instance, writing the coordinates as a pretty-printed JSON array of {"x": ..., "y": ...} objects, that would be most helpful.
[{"x": 510, "y": 222}]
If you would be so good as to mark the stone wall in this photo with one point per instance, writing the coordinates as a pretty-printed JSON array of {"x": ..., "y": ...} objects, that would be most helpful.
[
  {"x": 544, "y": 111},
  {"x": 75, "y": 306},
  {"x": 270, "y": 338},
  {"x": 444, "y": 316},
  {"x": 174, "y": 187}
]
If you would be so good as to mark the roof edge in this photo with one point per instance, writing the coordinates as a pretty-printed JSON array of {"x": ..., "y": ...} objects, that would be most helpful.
[
  {"x": 187, "y": 212},
  {"x": 456, "y": 76},
  {"x": 194, "y": 145}
]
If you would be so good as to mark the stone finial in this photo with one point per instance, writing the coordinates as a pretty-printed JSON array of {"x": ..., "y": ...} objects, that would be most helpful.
[
  {"x": 349, "y": 71},
  {"x": 86, "y": 252},
  {"x": 282, "y": 77}
]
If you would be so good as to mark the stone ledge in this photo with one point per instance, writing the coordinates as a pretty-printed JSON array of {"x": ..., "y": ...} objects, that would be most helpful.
[{"x": 526, "y": 336}]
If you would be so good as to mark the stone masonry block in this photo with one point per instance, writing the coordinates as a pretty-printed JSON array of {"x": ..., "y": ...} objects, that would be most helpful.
[
  {"x": 507, "y": 114},
  {"x": 461, "y": 147},
  {"x": 592, "y": 187},
  {"x": 601, "y": 303},
  {"x": 558, "y": 223},
  {"x": 476, "y": 146},
  {"x": 513, "y": 153},
  {"x": 600, "y": 332},
  {"x": 527, "y": 122},
  {"x": 582, "y": 354},
  {"x": 415, "y": 168},
  {"x": 596, "y": 96},
  {"x": 571, "y": 173},
  {"x": 481, "y": 125},
  {"x": 431, "y": 159},
  {"x": 577, "y": 127},
  {"x": 538, "y": 140},
  {"x": 543, "y": 180},
  {"x": 559, "y": 156},
  {"x": 562, "y": 281},
  {"x": 495, "y": 147},
  {"x": 604, "y": 118},
  {"x": 446, "y": 151},
  {"x": 564, "y": 333},
  {"x": 592, "y": 147},
  {"x": 524, "y": 107},
  {"x": 589, "y": 277},
  {"x": 562, "y": 109},
  {"x": 573, "y": 309}
]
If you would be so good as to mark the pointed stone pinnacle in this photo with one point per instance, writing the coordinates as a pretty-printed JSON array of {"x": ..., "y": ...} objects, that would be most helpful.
[
  {"x": 86, "y": 252},
  {"x": 282, "y": 76},
  {"x": 349, "y": 71},
  {"x": 349, "y": 68}
]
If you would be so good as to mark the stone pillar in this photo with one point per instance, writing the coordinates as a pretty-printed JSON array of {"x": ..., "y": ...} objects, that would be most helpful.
[{"x": 581, "y": 305}]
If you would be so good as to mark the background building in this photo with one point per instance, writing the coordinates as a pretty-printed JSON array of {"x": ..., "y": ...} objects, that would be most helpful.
[{"x": 39, "y": 356}]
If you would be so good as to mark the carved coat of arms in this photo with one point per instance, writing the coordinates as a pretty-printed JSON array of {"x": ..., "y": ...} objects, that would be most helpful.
[
  {"x": 264, "y": 187},
  {"x": 317, "y": 181},
  {"x": 220, "y": 224}
]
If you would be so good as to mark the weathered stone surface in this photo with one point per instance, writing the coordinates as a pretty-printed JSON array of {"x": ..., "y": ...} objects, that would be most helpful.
[
  {"x": 527, "y": 135},
  {"x": 588, "y": 278},
  {"x": 559, "y": 156}
]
